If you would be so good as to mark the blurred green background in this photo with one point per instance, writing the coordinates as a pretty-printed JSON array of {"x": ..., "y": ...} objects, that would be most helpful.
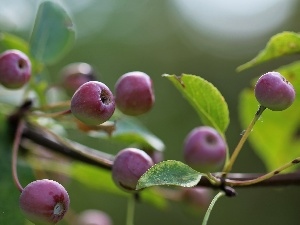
[{"x": 206, "y": 38}]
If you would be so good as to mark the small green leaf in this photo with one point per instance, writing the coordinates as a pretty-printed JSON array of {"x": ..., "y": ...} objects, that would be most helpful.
[
  {"x": 275, "y": 137},
  {"x": 205, "y": 98},
  {"x": 53, "y": 33},
  {"x": 169, "y": 172},
  {"x": 130, "y": 131},
  {"x": 10, "y": 41},
  {"x": 285, "y": 43}
]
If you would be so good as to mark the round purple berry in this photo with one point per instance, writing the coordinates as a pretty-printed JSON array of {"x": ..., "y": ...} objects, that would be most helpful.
[
  {"x": 93, "y": 217},
  {"x": 15, "y": 69},
  {"x": 134, "y": 93},
  {"x": 93, "y": 103},
  {"x": 204, "y": 149},
  {"x": 44, "y": 202},
  {"x": 76, "y": 74},
  {"x": 129, "y": 165},
  {"x": 274, "y": 92}
]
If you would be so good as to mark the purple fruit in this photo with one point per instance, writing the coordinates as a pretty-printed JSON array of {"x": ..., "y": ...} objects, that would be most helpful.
[
  {"x": 129, "y": 165},
  {"x": 134, "y": 93},
  {"x": 44, "y": 202},
  {"x": 274, "y": 92},
  {"x": 75, "y": 75},
  {"x": 93, "y": 103},
  {"x": 93, "y": 217},
  {"x": 204, "y": 149},
  {"x": 15, "y": 69},
  {"x": 197, "y": 197}
]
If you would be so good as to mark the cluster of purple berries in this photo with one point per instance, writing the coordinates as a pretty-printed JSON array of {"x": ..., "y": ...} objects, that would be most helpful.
[{"x": 93, "y": 102}]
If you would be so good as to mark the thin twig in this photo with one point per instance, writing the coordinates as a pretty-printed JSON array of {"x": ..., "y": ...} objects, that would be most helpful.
[
  {"x": 77, "y": 151},
  {"x": 15, "y": 151}
]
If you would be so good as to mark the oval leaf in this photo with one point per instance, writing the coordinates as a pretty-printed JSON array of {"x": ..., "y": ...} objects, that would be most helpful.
[
  {"x": 285, "y": 43},
  {"x": 169, "y": 172},
  {"x": 205, "y": 98},
  {"x": 53, "y": 33}
]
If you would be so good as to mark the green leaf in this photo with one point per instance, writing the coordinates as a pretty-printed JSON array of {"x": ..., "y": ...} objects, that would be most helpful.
[
  {"x": 131, "y": 131},
  {"x": 205, "y": 98},
  {"x": 275, "y": 137},
  {"x": 10, "y": 41},
  {"x": 285, "y": 43},
  {"x": 169, "y": 172},
  {"x": 53, "y": 33}
]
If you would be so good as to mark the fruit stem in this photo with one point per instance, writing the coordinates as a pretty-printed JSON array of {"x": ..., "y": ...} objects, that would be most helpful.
[
  {"x": 207, "y": 214},
  {"x": 130, "y": 210},
  {"x": 53, "y": 115},
  {"x": 213, "y": 180},
  {"x": 238, "y": 148},
  {"x": 55, "y": 106},
  {"x": 15, "y": 150},
  {"x": 263, "y": 177}
]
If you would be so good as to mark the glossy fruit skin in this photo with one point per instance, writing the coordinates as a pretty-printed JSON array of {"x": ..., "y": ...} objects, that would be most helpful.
[
  {"x": 93, "y": 217},
  {"x": 129, "y": 165},
  {"x": 76, "y": 74},
  {"x": 93, "y": 103},
  {"x": 274, "y": 92},
  {"x": 15, "y": 69},
  {"x": 44, "y": 202},
  {"x": 204, "y": 149},
  {"x": 134, "y": 93}
]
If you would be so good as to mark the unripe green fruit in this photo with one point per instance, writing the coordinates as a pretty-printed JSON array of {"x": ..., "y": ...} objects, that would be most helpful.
[
  {"x": 15, "y": 69},
  {"x": 204, "y": 149},
  {"x": 129, "y": 165},
  {"x": 93, "y": 103},
  {"x": 44, "y": 202},
  {"x": 274, "y": 92}
]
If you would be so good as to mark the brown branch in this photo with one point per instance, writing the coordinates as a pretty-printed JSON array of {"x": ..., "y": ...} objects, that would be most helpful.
[
  {"x": 72, "y": 150},
  {"x": 97, "y": 158},
  {"x": 275, "y": 181}
]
